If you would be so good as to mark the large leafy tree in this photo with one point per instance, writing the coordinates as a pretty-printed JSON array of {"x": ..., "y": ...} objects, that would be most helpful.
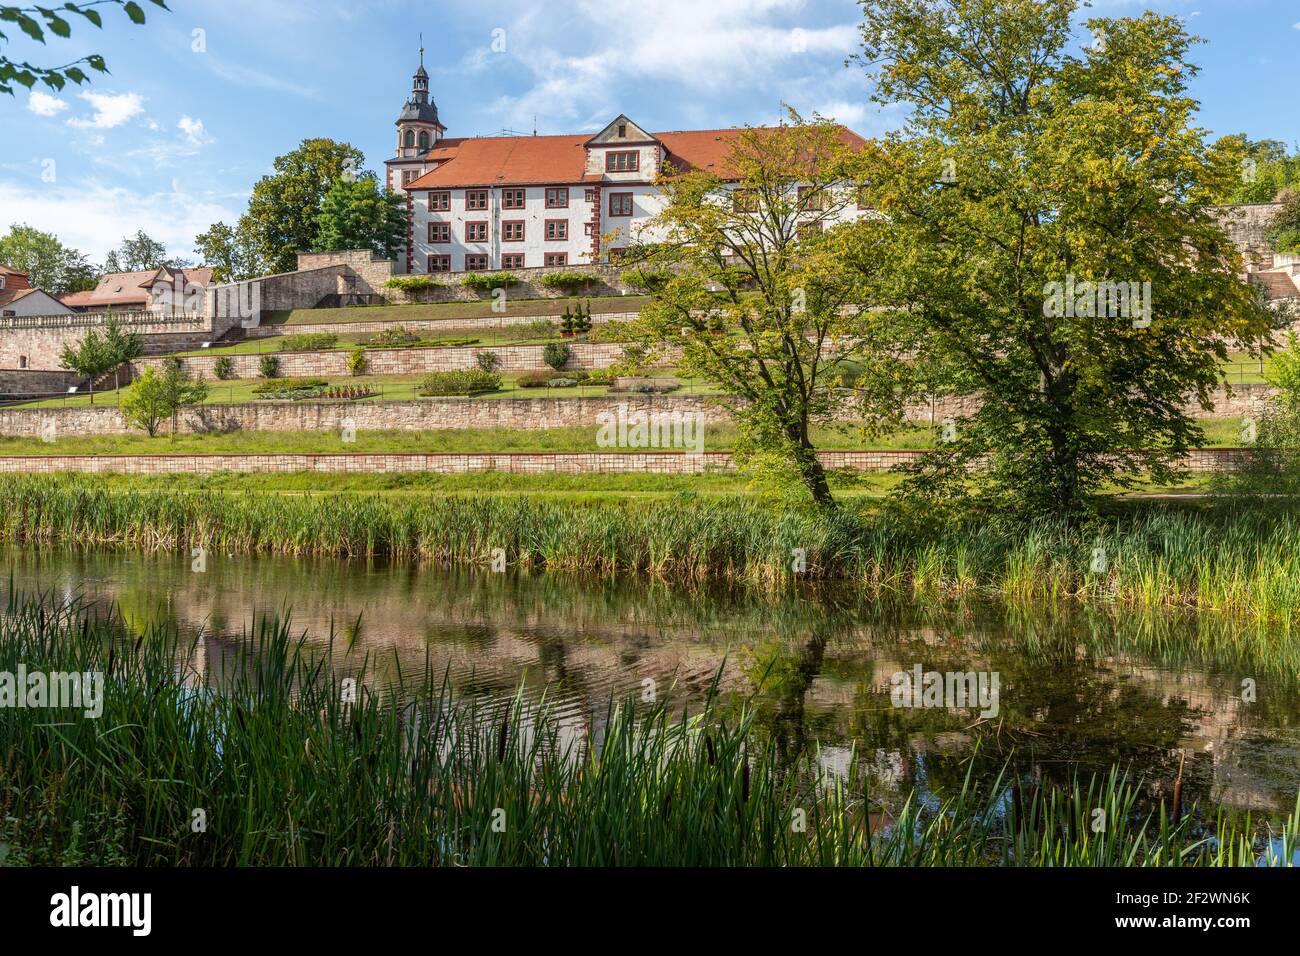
[
  {"x": 357, "y": 213},
  {"x": 758, "y": 279},
  {"x": 157, "y": 396},
  {"x": 228, "y": 251},
  {"x": 138, "y": 253},
  {"x": 1027, "y": 161},
  {"x": 282, "y": 212},
  {"x": 1267, "y": 169},
  {"x": 49, "y": 264},
  {"x": 37, "y": 21}
]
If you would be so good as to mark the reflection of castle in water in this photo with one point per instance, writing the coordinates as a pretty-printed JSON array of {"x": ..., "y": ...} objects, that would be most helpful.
[{"x": 589, "y": 642}]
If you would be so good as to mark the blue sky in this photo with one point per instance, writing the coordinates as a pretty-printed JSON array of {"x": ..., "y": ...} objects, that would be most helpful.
[{"x": 175, "y": 137}]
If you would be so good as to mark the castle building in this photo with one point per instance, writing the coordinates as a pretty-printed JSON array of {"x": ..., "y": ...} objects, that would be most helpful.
[{"x": 521, "y": 202}]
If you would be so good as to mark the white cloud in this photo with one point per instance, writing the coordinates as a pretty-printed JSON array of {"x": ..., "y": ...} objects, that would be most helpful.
[
  {"x": 111, "y": 109},
  {"x": 93, "y": 217},
  {"x": 194, "y": 132},
  {"x": 708, "y": 49},
  {"x": 1296, "y": 25},
  {"x": 42, "y": 104}
]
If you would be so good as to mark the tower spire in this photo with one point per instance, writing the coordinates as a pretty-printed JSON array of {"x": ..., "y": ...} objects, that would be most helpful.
[{"x": 421, "y": 50}]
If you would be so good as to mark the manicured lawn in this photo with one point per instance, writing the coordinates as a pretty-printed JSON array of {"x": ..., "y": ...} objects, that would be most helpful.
[
  {"x": 453, "y": 310},
  {"x": 574, "y": 439}
]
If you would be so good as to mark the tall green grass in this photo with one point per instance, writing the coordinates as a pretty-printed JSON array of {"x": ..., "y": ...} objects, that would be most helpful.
[
  {"x": 1244, "y": 562},
  {"x": 287, "y": 769}
]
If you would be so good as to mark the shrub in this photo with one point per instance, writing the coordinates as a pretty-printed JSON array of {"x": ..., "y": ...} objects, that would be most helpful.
[
  {"x": 1284, "y": 232},
  {"x": 483, "y": 281},
  {"x": 487, "y": 361},
  {"x": 561, "y": 382},
  {"x": 269, "y": 366},
  {"x": 535, "y": 379},
  {"x": 289, "y": 384},
  {"x": 646, "y": 280},
  {"x": 393, "y": 338},
  {"x": 466, "y": 382},
  {"x": 567, "y": 281},
  {"x": 358, "y": 364},
  {"x": 556, "y": 355},
  {"x": 412, "y": 283},
  {"x": 308, "y": 341},
  {"x": 223, "y": 367}
]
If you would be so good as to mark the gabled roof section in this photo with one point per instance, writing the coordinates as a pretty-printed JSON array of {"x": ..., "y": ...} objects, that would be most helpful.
[{"x": 621, "y": 131}]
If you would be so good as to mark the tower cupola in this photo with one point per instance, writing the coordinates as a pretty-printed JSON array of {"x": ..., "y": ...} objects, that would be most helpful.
[{"x": 418, "y": 128}]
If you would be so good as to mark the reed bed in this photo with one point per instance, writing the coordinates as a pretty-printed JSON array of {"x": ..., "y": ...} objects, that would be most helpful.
[
  {"x": 284, "y": 767},
  {"x": 1245, "y": 563}
]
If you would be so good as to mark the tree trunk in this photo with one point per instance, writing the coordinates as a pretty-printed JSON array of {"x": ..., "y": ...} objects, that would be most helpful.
[{"x": 810, "y": 468}]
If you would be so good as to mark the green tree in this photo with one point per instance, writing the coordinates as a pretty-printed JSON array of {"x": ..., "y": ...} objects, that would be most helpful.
[
  {"x": 49, "y": 264},
  {"x": 228, "y": 251},
  {"x": 36, "y": 21},
  {"x": 1266, "y": 170},
  {"x": 120, "y": 347},
  {"x": 89, "y": 358},
  {"x": 155, "y": 397},
  {"x": 282, "y": 211},
  {"x": 762, "y": 291},
  {"x": 359, "y": 214},
  {"x": 137, "y": 253},
  {"x": 1284, "y": 230},
  {"x": 1026, "y": 167}
]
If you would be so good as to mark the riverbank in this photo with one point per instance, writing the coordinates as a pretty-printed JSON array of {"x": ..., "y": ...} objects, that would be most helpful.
[
  {"x": 293, "y": 754},
  {"x": 1241, "y": 561}
]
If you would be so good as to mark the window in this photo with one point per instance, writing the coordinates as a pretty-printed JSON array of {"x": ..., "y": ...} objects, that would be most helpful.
[
  {"x": 424, "y": 140},
  {"x": 620, "y": 204},
  {"x": 476, "y": 263},
  {"x": 588, "y": 229},
  {"x": 811, "y": 197},
  {"x": 407, "y": 176},
  {"x": 22, "y": 361},
  {"x": 512, "y": 230},
  {"x": 622, "y": 130},
  {"x": 439, "y": 200},
  {"x": 557, "y": 258},
  {"x": 476, "y": 199},
  {"x": 557, "y": 229},
  {"x": 512, "y": 260},
  {"x": 2, "y": 282},
  {"x": 476, "y": 232},
  {"x": 807, "y": 229},
  {"x": 744, "y": 200},
  {"x": 440, "y": 232},
  {"x": 589, "y": 195},
  {"x": 621, "y": 162},
  {"x": 557, "y": 198},
  {"x": 439, "y": 264},
  {"x": 512, "y": 199},
  {"x": 410, "y": 138}
]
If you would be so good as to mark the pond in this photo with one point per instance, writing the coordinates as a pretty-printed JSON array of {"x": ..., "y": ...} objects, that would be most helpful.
[{"x": 828, "y": 670}]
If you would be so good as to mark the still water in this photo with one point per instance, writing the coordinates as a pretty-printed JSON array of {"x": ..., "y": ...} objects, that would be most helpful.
[{"x": 1078, "y": 689}]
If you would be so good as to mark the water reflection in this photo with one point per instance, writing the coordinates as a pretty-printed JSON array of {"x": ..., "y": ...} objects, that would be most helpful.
[{"x": 1080, "y": 689}]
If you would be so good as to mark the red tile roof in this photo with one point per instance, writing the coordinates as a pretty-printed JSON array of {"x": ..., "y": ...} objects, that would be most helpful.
[
  {"x": 132, "y": 288},
  {"x": 536, "y": 160}
]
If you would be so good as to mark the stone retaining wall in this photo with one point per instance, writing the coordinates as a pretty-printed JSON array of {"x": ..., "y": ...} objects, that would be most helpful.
[
  {"x": 665, "y": 463},
  {"x": 407, "y": 361},
  {"x": 479, "y": 323},
  {"x": 429, "y": 414}
]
